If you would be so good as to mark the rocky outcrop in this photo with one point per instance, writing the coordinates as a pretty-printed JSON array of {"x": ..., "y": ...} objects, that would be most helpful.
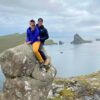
[
  {"x": 24, "y": 78},
  {"x": 79, "y": 40},
  {"x": 76, "y": 88},
  {"x": 61, "y": 43},
  {"x": 98, "y": 39}
]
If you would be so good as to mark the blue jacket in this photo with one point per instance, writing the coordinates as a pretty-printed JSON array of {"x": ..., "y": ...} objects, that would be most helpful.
[{"x": 32, "y": 35}]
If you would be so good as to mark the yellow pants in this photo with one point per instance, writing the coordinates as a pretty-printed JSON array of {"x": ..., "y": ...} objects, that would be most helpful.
[{"x": 35, "y": 47}]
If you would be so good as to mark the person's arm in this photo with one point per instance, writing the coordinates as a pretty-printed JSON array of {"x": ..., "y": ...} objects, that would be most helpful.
[
  {"x": 27, "y": 38},
  {"x": 46, "y": 36}
]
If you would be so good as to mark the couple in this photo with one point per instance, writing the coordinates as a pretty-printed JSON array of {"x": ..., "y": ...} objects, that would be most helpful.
[{"x": 36, "y": 35}]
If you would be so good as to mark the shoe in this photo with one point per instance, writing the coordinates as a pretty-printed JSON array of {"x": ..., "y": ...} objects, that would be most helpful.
[
  {"x": 47, "y": 67},
  {"x": 41, "y": 65}
]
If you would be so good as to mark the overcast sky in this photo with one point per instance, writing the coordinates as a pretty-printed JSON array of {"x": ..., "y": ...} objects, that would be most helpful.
[{"x": 60, "y": 16}]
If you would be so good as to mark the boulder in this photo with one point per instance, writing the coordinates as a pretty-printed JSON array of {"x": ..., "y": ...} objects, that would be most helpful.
[{"x": 25, "y": 80}]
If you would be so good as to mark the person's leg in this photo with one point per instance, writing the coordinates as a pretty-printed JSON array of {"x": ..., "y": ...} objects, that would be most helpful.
[
  {"x": 46, "y": 61},
  {"x": 42, "y": 52},
  {"x": 35, "y": 47}
]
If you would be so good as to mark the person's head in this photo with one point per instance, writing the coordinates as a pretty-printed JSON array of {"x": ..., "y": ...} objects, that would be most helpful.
[
  {"x": 32, "y": 23},
  {"x": 40, "y": 22}
]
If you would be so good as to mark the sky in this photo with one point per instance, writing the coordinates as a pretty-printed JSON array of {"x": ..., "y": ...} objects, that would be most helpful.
[{"x": 60, "y": 16}]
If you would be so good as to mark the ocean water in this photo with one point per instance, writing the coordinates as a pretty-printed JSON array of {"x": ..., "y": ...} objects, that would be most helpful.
[{"x": 72, "y": 60}]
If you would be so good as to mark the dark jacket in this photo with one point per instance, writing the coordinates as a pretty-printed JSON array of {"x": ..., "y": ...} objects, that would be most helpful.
[
  {"x": 43, "y": 33},
  {"x": 32, "y": 35}
]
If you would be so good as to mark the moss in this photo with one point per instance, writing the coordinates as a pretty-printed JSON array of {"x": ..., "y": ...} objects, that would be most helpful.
[{"x": 66, "y": 92}]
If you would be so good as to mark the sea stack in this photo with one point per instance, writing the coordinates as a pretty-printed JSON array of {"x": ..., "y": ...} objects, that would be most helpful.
[{"x": 79, "y": 40}]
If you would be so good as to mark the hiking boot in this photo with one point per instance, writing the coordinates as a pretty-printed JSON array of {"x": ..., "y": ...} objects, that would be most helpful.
[
  {"x": 42, "y": 68},
  {"x": 47, "y": 67},
  {"x": 41, "y": 65}
]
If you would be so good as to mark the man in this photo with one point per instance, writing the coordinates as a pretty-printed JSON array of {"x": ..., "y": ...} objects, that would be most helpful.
[
  {"x": 32, "y": 37},
  {"x": 43, "y": 33}
]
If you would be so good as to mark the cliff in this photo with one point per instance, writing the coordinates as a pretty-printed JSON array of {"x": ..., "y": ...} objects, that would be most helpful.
[{"x": 24, "y": 78}]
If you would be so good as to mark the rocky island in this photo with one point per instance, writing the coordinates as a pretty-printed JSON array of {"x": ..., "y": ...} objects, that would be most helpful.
[
  {"x": 50, "y": 42},
  {"x": 24, "y": 78},
  {"x": 98, "y": 39},
  {"x": 61, "y": 43},
  {"x": 79, "y": 40}
]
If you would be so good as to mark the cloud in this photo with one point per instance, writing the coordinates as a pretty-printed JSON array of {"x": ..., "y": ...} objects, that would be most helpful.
[{"x": 60, "y": 16}]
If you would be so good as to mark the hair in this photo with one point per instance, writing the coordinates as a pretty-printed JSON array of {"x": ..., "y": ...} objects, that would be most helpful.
[
  {"x": 40, "y": 19},
  {"x": 32, "y": 20}
]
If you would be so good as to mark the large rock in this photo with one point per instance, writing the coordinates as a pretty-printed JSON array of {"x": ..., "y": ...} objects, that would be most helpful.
[
  {"x": 79, "y": 40},
  {"x": 24, "y": 78}
]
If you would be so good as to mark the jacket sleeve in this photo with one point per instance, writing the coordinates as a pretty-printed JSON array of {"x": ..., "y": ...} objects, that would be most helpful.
[
  {"x": 27, "y": 36},
  {"x": 46, "y": 36}
]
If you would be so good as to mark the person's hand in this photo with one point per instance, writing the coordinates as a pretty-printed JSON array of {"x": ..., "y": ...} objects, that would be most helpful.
[
  {"x": 38, "y": 37},
  {"x": 28, "y": 43}
]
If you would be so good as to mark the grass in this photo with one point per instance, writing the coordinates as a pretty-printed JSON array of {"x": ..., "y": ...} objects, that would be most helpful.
[{"x": 10, "y": 41}]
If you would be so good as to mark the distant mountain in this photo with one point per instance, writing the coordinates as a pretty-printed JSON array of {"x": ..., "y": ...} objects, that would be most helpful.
[{"x": 9, "y": 41}]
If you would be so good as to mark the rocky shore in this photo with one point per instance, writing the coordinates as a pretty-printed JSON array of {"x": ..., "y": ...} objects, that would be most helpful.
[{"x": 76, "y": 88}]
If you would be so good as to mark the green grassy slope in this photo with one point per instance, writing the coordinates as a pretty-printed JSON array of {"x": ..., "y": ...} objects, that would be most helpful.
[{"x": 9, "y": 41}]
